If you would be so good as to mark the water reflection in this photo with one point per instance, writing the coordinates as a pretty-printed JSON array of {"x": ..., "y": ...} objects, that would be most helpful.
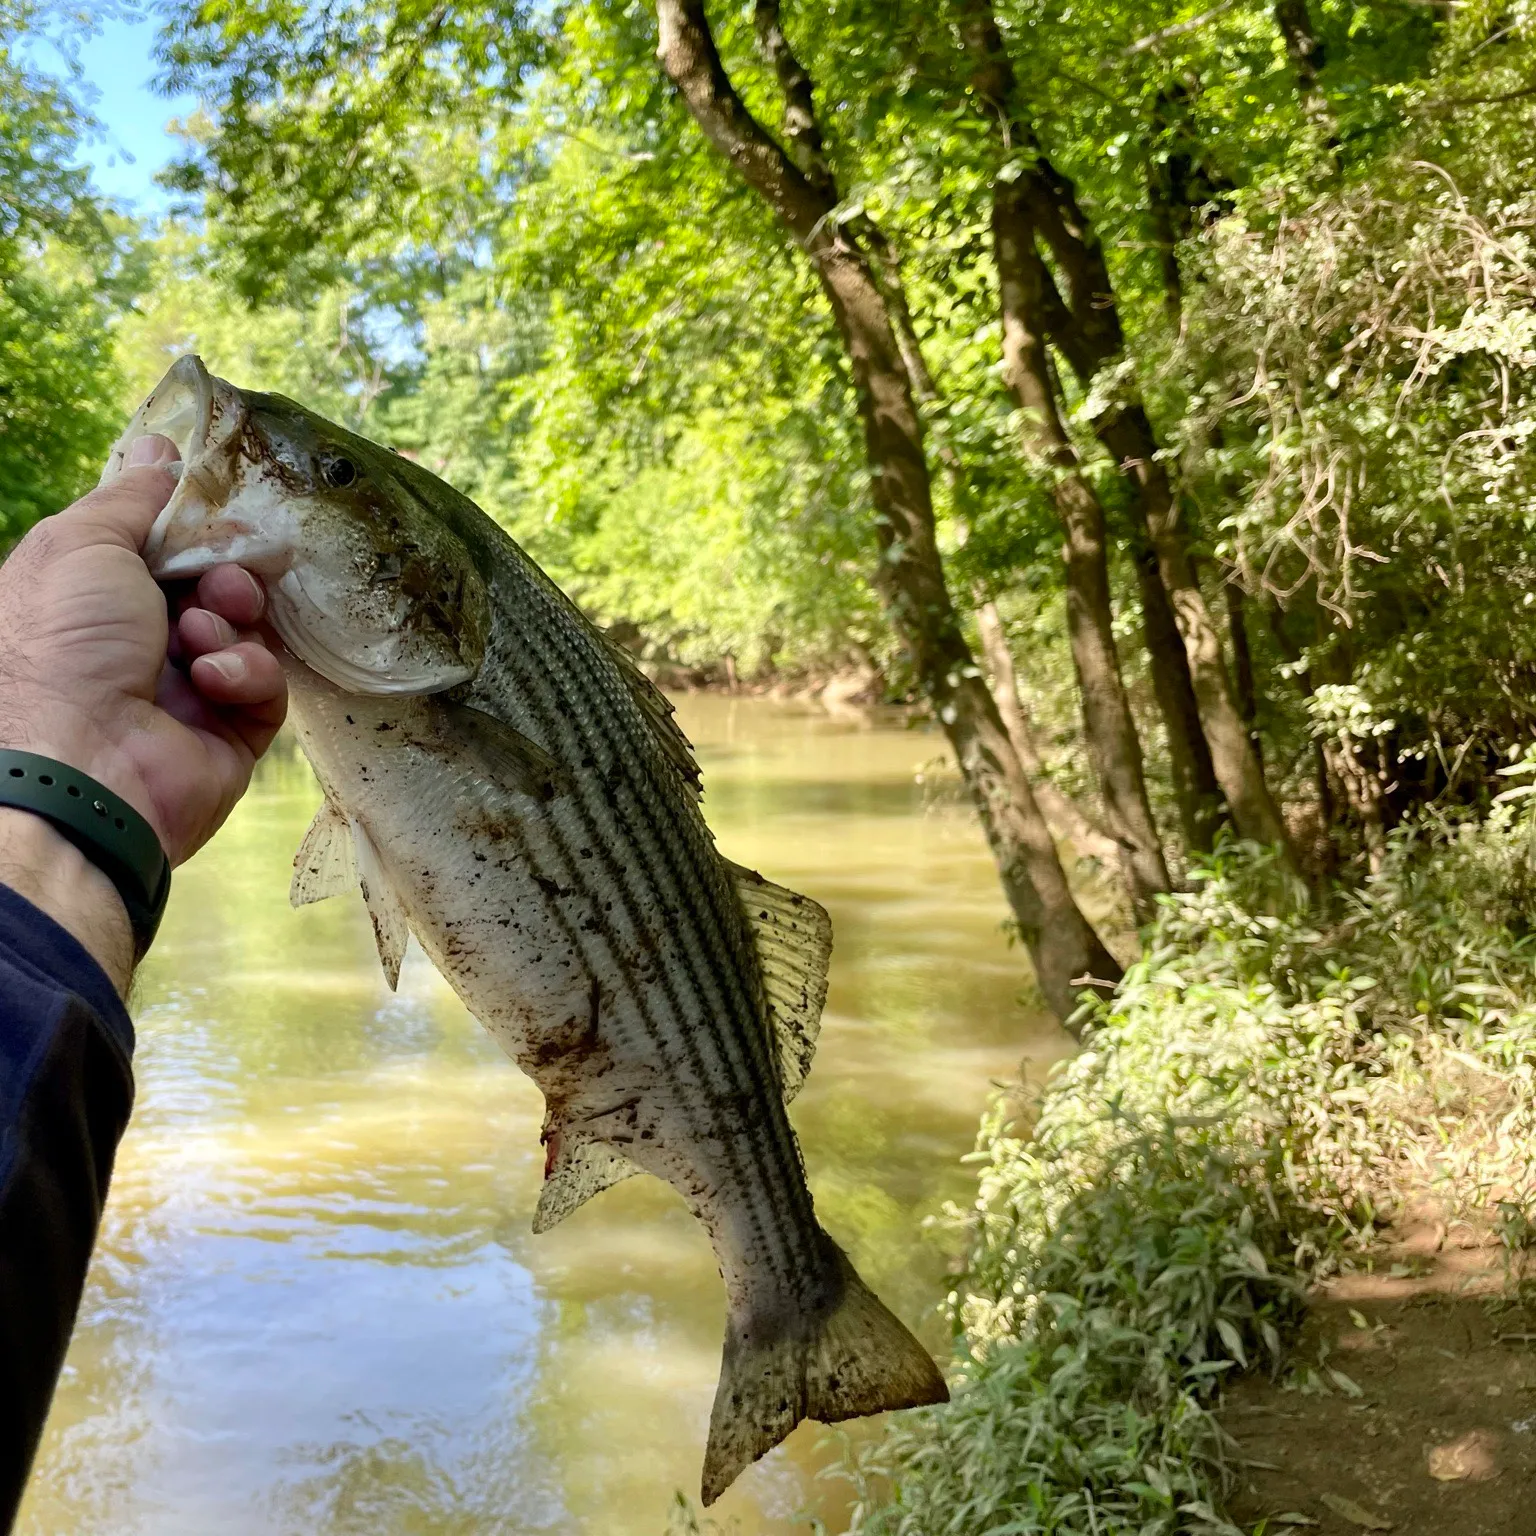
[{"x": 317, "y": 1306}]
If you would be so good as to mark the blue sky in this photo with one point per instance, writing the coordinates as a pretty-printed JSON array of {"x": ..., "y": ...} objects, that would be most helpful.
[{"x": 118, "y": 67}]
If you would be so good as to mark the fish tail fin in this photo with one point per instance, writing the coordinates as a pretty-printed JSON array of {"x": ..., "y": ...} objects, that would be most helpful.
[{"x": 850, "y": 1356}]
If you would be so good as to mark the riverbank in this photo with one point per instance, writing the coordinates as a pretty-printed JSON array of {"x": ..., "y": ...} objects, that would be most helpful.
[{"x": 1279, "y": 1081}]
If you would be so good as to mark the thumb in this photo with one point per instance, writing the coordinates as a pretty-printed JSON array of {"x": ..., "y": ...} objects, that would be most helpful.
[{"x": 123, "y": 510}]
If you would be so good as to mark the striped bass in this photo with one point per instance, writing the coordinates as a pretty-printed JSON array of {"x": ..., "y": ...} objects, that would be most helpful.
[{"x": 504, "y": 783}]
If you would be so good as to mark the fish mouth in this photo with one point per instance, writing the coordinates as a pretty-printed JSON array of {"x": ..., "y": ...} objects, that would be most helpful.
[
  {"x": 233, "y": 505},
  {"x": 206, "y": 418}
]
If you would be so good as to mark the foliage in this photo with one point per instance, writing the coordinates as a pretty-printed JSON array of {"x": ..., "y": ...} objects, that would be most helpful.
[
  {"x": 490, "y": 234},
  {"x": 67, "y": 266},
  {"x": 1381, "y": 444},
  {"x": 1272, "y": 1081}
]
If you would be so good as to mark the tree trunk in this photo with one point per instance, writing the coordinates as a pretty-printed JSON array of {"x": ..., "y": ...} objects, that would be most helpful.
[
  {"x": 1323, "y": 772},
  {"x": 1086, "y": 326},
  {"x": 1108, "y": 726},
  {"x": 1127, "y": 433},
  {"x": 1196, "y": 789},
  {"x": 1089, "y": 336},
  {"x": 1305, "y": 50},
  {"x": 1060, "y": 810},
  {"x": 1068, "y": 955},
  {"x": 1242, "y": 662}
]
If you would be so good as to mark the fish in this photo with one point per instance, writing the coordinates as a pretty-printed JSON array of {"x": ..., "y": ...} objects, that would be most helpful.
[{"x": 504, "y": 783}]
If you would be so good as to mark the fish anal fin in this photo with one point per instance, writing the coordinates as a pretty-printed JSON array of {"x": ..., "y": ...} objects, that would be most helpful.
[
  {"x": 391, "y": 929},
  {"x": 785, "y": 1362},
  {"x": 323, "y": 865},
  {"x": 793, "y": 935},
  {"x": 502, "y": 755},
  {"x": 577, "y": 1173}
]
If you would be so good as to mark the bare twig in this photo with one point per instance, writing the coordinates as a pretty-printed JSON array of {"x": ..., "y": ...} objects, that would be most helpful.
[{"x": 1178, "y": 29}]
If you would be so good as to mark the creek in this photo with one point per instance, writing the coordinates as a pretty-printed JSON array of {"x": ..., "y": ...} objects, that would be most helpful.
[{"x": 317, "y": 1307}]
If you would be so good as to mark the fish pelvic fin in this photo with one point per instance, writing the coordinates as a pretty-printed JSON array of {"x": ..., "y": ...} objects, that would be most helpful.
[
  {"x": 793, "y": 935},
  {"x": 391, "y": 928},
  {"x": 336, "y": 854},
  {"x": 851, "y": 1356}
]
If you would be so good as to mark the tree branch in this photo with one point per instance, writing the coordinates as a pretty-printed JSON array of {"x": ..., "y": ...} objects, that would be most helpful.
[
  {"x": 808, "y": 146},
  {"x": 688, "y": 54},
  {"x": 1178, "y": 29},
  {"x": 806, "y": 143}
]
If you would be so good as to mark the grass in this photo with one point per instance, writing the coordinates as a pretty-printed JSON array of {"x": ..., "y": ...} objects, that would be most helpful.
[{"x": 1278, "y": 1077}]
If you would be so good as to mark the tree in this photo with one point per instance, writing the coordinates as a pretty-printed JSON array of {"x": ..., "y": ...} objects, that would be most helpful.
[
  {"x": 1040, "y": 206},
  {"x": 911, "y": 580},
  {"x": 68, "y": 266},
  {"x": 253, "y": 178}
]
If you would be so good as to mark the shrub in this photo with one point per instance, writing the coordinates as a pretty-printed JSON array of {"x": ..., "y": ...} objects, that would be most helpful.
[{"x": 1273, "y": 1081}]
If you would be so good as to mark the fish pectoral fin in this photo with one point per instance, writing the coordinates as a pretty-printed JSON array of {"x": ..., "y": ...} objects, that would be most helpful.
[
  {"x": 503, "y": 755},
  {"x": 576, "y": 1174},
  {"x": 794, "y": 947},
  {"x": 391, "y": 929},
  {"x": 323, "y": 865}
]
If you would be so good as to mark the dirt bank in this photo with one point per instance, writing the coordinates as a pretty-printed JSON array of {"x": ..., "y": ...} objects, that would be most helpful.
[{"x": 1412, "y": 1406}]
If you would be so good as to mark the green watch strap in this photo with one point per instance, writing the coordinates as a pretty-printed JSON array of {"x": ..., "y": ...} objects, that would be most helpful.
[{"x": 103, "y": 826}]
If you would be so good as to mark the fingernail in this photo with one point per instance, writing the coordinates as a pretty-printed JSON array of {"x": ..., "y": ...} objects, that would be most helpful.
[
  {"x": 153, "y": 450},
  {"x": 224, "y": 632},
  {"x": 230, "y": 667}
]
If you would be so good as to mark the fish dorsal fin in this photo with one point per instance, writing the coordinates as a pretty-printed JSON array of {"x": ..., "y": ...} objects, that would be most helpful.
[
  {"x": 323, "y": 865},
  {"x": 580, "y": 1171},
  {"x": 794, "y": 947},
  {"x": 659, "y": 714},
  {"x": 391, "y": 931}
]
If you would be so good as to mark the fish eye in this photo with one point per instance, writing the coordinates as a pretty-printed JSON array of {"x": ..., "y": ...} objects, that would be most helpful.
[{"x": 338, "y": 472}]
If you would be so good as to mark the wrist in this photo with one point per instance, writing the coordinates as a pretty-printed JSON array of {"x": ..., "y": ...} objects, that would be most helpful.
[
  {"x": 71, "y": 736},
  {"x": 42, "y": 865}
]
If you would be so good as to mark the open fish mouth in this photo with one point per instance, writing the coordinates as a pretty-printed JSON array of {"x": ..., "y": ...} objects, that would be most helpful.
[{"x": 205, "y": 417}]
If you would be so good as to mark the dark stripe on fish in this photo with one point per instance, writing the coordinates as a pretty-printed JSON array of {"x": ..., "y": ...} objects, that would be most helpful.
[
  {"x": 558, "y": 713},
  {"x": 707, "y": 1066}
]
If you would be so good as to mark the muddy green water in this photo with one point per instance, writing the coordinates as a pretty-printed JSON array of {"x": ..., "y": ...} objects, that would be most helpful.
[{"x": 317, "y": 1307}]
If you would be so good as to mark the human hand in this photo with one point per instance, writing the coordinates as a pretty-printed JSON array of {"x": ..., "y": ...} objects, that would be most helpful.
[{"x": 93, "y": 673}]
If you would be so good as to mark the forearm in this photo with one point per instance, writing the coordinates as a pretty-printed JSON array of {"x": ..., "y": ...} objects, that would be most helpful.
[
  {"x": 37, "y": 862},
  {"x": 66, "y": 1088}
]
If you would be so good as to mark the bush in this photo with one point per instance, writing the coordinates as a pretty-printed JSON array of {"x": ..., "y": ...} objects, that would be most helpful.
[{"x": 1272, "y": 1082}]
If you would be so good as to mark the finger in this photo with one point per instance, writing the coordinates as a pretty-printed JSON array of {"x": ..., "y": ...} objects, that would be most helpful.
[
  {"x": 234, "y": 594},
  {"x": 198, "y": 632},
  {"x": 244, "y": 676},
  {"x": 123, "y": 512}
]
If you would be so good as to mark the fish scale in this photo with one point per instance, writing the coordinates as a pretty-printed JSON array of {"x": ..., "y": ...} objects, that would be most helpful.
[
  {"x": 563, "y": 703},
  {"x": 760, "y": 1081},
  {"x": 641, "y": 754},
  {"x": 500, "y": 781}
]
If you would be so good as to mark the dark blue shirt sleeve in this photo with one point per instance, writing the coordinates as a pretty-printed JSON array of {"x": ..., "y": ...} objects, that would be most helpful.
[{"x": 66, "y": 1087}]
